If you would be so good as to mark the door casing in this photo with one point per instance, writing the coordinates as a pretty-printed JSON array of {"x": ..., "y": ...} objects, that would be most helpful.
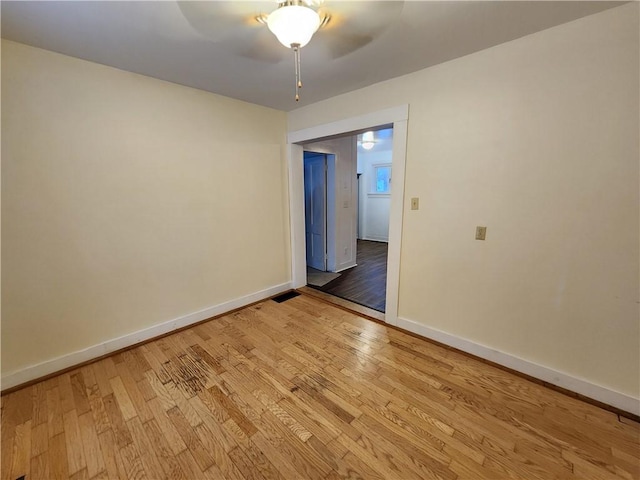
[{"x": 397, "y": 117}]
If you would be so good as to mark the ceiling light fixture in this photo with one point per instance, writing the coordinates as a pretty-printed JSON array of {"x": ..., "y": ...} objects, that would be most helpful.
[
  {"x": 294, "y": 24},
  {"x": 367, "y": 141}
]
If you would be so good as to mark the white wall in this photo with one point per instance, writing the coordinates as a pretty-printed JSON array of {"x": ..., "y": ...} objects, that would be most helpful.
[
  {"x": 537, "y": 139},
  {"x": 128, "y": 202},
  {"x": 346, "y": 199},
  {"x": 373, "y": 212}
]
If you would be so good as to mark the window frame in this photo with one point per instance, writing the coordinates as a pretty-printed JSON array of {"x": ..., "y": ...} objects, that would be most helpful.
[{"x": 373, "y": 192}]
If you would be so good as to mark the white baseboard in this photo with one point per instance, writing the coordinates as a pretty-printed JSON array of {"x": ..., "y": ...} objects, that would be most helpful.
[
  {"x": 376, "y": 238},
  {"x": 345, "y": 266},
  {"x": 75, "y": 358},
  {"x": 554, "y": 377}
]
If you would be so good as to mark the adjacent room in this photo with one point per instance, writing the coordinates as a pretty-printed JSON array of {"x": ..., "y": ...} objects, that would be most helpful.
[
  {"x": 175, "y": 175},
  {"x": 362, "y": 278}
]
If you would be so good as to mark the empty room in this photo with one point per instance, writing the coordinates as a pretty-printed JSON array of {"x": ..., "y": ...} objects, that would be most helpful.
[{"x": 156, "y": 231}]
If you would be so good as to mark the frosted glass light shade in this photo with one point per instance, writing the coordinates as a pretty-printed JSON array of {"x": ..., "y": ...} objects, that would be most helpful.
[
  {"x": 367, "y": 140},
  {"x": 293, "y": 24}
]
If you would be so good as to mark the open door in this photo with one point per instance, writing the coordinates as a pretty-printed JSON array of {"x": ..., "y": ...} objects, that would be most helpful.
[{"x": 315, "y": 205}]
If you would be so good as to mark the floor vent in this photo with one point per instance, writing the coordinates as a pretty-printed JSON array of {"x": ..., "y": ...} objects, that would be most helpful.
[{"x": 285, "y": 296}]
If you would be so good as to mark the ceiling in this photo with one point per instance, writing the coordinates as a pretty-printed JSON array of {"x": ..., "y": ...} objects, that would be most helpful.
[{"x": 157, "y": 39}]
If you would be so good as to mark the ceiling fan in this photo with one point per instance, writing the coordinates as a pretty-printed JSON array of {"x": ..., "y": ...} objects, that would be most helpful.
[{"x": 252, "y": 29}]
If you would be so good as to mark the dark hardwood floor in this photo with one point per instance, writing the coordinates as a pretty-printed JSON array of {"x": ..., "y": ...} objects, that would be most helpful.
[{"x": 366, "y": 283}]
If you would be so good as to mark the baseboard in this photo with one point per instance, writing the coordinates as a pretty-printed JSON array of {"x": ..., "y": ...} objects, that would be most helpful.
[
  {"x": 58, "y": 364},
  {"x": 345, "y": 266},
  {"x": 373, "y": 238},
  {"x": 565, "y": 381}
]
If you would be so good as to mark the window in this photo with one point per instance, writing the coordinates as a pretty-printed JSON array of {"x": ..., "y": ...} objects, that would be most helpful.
[{"x": 382, "y": 179}]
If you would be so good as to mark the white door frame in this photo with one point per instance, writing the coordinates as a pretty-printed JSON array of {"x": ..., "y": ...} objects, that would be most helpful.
[{"x": 398, "y": 117}]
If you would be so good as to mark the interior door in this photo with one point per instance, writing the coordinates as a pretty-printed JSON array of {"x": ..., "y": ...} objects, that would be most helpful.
[{"x": 315, "y": 205}]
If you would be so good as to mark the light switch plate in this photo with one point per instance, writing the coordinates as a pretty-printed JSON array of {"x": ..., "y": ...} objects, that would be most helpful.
[
  {"x": 415, "y": 203},
  {"x": 481, "y": 233}
]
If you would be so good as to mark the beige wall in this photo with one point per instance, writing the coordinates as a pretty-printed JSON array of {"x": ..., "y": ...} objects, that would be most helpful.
[
  {"x": 537, "y": 139},
  {"x": 128, "y": 202}
]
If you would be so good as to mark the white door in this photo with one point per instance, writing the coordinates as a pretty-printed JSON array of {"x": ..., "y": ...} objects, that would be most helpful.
[{"x": 315, "y": 204}]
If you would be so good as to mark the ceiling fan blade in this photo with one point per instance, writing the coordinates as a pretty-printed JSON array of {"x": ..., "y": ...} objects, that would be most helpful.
[
  {"x": 224, "y": 20},
  {"x": 261, "y": 46},
  {"x": 341, "y": 44},
  {"x": 354, "y": 24}
]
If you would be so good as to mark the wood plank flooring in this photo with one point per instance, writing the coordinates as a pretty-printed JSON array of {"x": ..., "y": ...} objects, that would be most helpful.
[
  {"x": 345, "y": 304},
  {"x": 365, "y": 284},
  {"x": 304, "y": 390}
]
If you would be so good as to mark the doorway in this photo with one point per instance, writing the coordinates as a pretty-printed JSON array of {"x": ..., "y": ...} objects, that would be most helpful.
[
  {"x": 396, "y": 117},
  {"x": 355, "y": 208}
]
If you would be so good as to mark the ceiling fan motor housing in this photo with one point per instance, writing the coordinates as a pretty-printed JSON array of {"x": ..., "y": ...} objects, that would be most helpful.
[{"x": 293, "y": 23}]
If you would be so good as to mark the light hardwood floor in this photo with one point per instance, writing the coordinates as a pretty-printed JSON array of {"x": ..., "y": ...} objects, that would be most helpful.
[{"x": 304, "y": 390}]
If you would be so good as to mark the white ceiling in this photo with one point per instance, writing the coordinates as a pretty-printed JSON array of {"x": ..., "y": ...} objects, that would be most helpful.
[{"x": 155, "y": 38}]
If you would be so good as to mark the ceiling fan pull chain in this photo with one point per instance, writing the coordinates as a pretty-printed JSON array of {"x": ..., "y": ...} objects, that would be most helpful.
[
  {"x": 296, "y": 57},
  {"x": 298, "y": 75}
]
